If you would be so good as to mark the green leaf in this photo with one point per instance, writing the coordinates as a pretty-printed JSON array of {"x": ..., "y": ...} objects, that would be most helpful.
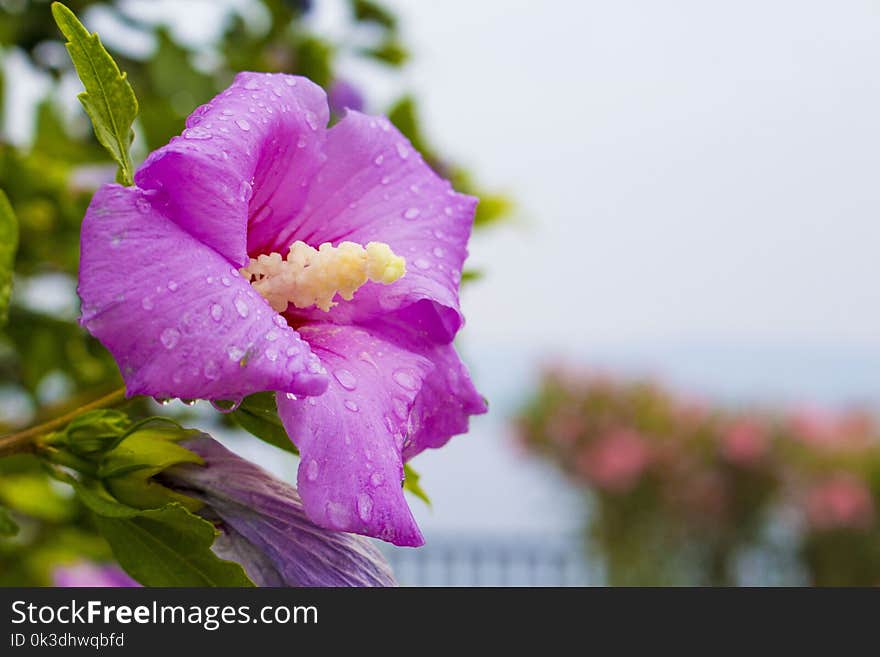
[
  {"x": 390, "y": 52},
  {"x": 169, "y": 547},
  {"x": 96, "y": 498},
  {"x": 108, "y": 99},
  {"x": 258, "y": 415},
  {"x": 403, "y": 114},
  {"x": 471, "y": 275},
  {"x": 8, "y": 527},
  {"x": 367, "y": 11},
  {"x": 411, "y": 483},
  {"x": 8, "y": 247}
]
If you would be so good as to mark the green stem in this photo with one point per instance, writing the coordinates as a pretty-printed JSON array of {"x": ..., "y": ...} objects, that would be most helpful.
[{"x": 25, "y": 441}]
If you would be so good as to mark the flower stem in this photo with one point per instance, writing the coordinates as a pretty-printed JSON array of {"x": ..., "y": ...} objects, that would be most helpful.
[{"x": 24, "y": 441}]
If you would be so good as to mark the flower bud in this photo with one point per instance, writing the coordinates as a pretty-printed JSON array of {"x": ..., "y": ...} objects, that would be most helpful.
[{"x": 264, "y": 527}]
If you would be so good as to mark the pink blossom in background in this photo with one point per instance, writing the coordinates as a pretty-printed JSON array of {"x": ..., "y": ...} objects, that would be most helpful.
[
  {"x": 89, "y": 574},
  {"x": 744, "y": 443},
  {"x": 840, "y": 502},
  {"x": 822, "y": 428},
  {"x": 616, "y": 461}
]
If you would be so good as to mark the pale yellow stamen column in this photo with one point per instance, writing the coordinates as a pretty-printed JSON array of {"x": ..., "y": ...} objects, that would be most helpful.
[{"x": 312, "y": 277}]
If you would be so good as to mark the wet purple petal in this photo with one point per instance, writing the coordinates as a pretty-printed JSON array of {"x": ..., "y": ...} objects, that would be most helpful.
[
  {"x": 444, "y": 404},
  {"x": 375, "y": 187},
  {"x": 180, "y": 321},
  {"x": 238, "y": 172},
  {"x": 351, "y": 440}
]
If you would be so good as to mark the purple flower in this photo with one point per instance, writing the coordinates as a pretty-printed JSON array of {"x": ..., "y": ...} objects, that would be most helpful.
[
  {"x": 264, "y": 527},
  {"x": 255, "y": 181},
  {"x": 343, "y": 95},
  {"x": 87, "y": 574}
]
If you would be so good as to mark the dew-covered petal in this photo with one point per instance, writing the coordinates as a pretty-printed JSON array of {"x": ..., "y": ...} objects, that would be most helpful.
[
  {"x": 444, "y": 404},
  {"x": 180, "y": 321},
  {"x": 240, "y": 169},
  {"x": 264, "y": 527},
  {"x": 374, "y": 186},
  {"x": 351, "y": 439}
]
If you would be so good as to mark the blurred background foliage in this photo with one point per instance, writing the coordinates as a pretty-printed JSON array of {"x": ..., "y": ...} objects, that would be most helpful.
[
  {"x": 48, "y": 365},
  {"x": 683, "y": 492}
]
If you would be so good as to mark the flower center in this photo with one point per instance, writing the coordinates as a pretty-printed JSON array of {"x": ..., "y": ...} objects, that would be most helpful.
[{"x": 312, "y": 277}]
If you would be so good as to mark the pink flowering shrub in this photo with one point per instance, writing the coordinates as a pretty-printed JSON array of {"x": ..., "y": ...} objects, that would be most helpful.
[{"x": 679, "y": 489}]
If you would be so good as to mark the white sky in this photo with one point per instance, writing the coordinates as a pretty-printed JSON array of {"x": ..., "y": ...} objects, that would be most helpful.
[{"x": 685, "y": 168}]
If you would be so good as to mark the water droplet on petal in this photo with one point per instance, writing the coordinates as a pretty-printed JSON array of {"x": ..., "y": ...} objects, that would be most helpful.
[
  {"x": 244, "y": 125},
  {"x": 377, "y": 478},
  {"x": 411, "y": 213},
  {"x": 245, "y": 191},
  {"x": 421, "y": 263},
  {"x": 405, "y": 379},
  {"x": 291, "y": 82},
  {"x": 251, "y": 85},
  {"x": 211, "y": 370},
  {"x": 301, "y": 142},
  {"x": 352, "y": 406},
  {"x": 235, "y": 353},
  {"x": 311, "y": 119},
  {"x": 225, "y": 281},
  {"x": 400, "y": 408},
  {"x": 364, "y": 507},
  {"x": 272, "y": 335},
  {"x": 196, "y": 133},
  {"x": 438, "y": 252},
  {"x": 379, "y": 159},
  {"x": 147, "y": 303},
  {"x": 241, "y": 307},
  {"x": 226, "y": 405},
  {"x": 386, "y": 180},
  {"x": 216, "y": 312},
  {"x": 402, "y": 150},
  {"x": 172, "y": 286},
  {"x": 170, "y": 337},
  {"x": 447, "y": 211},
  {"x": 346, "y": 379},
  {"x": 272, "y": 354},
  {"x": 312, "y": 470}
]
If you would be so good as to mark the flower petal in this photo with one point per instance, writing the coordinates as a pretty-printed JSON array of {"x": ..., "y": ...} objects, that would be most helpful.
[
  {"x": 444, "y": 404},
  {"x": 350, "y": 442},
  {"x": 265, "y": 528},
  {"x": 374, "y": 186},
  {"x": 180, "y": 321},
  {"x": 240, "y": 169}
]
